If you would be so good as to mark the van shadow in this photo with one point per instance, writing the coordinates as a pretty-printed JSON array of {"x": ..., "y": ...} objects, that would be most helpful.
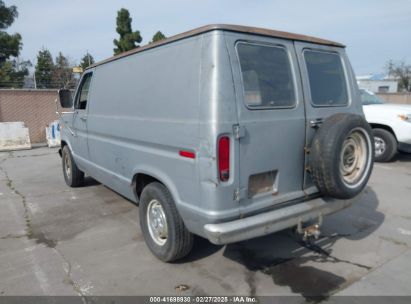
[
  {"x": 291, "y": 262},
  {"x": 89, "y": 182},
  {"x": 403, "y": 157},
  {"x": 202, "y": 248}
]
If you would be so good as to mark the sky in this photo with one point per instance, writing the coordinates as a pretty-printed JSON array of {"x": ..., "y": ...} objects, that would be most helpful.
[{"x": 374, "y": 31}]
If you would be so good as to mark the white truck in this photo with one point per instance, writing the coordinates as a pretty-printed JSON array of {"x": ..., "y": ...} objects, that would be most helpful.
[{"x": 391, "y": 124}]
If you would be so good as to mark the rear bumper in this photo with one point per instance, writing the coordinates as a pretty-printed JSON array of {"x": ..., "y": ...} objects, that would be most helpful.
[{"x": 272, "y": 221}]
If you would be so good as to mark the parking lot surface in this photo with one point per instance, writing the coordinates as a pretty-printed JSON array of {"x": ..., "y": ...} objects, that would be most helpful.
[{"x": 55, "y": 240}]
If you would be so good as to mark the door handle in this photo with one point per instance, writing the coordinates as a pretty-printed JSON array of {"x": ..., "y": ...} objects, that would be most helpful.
[
  {"x": 71, "y": 131},
  {"x": 83, "y": 118},
  {"x": 316, "y": 123}
]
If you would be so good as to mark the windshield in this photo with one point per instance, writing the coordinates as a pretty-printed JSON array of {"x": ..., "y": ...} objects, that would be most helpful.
[{"x": 368, "y": 98}]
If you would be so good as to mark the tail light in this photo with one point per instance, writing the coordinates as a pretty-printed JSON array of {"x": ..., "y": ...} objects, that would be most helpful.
[{"x": 224, "y": 158}]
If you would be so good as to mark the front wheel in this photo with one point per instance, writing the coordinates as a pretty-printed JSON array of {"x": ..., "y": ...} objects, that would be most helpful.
[
  {"x": 163, "y": 229},
  {"x": 385, "y": 145},
  {"x": 73, "y": 176}
]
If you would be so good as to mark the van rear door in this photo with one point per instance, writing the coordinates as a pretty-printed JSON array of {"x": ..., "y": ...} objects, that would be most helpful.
[
  {"x": 327, "y": 81},
  {"x": 271, "y": 121}
]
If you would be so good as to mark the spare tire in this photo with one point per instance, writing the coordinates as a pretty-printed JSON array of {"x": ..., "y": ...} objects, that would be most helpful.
[{"x": 342, "y": 155}]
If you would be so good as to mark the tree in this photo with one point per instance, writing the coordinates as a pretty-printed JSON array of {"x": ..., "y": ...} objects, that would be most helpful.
[
  {"x": 10, "y": 45},
  {"x": 44, "y": 69},
  {"x": 128, "y": 38},
  {"x": 12, "y": 70},
  {"x": 158, "y": 36},
  {"x": 62, "y": 73},
  {"x": 7, "y": 15},
  {"x": 13, "y": 73},
  {"x": 402, "y": 72},
  {"x": 86, "y": 61}
]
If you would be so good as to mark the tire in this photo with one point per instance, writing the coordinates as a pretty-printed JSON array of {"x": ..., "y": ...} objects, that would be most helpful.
[
  {"x": 73, "y": 176},
  {"x": 175, "y": 241},
  {"x": 385, "y": 145},
  {"x": 341, "y": 156}
]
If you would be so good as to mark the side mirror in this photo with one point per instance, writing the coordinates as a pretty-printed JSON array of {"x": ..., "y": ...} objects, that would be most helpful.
[{"x": 66, "y": 100}]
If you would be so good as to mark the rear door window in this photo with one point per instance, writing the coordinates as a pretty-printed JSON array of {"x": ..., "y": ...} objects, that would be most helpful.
[
  {"x": 267, "y": 76},
  {"x": 328, "y": 86}
]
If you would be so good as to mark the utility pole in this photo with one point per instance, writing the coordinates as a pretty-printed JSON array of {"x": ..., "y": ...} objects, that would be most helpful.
[{"x": 34, "y": 77}]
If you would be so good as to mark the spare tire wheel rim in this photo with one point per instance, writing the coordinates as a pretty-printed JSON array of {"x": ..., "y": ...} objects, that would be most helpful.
[
  {"x": 157, "y": 222},
  {"x": 380, "y": 145},
  {"x": 355, "y": 157}
]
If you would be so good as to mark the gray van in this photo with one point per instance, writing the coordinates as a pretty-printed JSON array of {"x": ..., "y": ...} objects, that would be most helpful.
[{"x": 226, "y": 132}]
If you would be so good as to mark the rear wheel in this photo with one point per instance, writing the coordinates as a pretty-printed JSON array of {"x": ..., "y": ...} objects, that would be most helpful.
[
  {"x": 73, "y": 176},
  {"x": 163, "y": 229},
  {"x": 385, "y": 145}
]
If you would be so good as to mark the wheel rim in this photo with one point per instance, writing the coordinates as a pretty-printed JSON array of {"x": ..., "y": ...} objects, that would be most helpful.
[
  {"x": 355, "y": 157},
  {"x": 67, "y": 165},
  {"x": 380, "y": 146},
  {"x": 157, "y": 222}
]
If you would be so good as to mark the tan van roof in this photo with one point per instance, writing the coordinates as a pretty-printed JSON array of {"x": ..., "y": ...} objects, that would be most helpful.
[{"x": 225, "y": 27}]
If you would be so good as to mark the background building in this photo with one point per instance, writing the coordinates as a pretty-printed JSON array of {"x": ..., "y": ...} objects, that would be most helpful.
[{"x": 378, "y": 83}]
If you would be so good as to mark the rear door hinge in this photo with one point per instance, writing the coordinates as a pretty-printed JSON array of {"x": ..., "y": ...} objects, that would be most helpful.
[
  {"x": 240, "y": 193},
  {"x": 239, "y": 131}
]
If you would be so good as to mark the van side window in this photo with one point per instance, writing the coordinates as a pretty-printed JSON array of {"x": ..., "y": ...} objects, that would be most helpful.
[
  {"x": 267, "y": 76},
  {"x": 82, "y": 93},
  {"x": 327, "y": 79}
]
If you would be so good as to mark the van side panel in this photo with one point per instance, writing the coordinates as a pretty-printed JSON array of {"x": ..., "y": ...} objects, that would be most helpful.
[{"x": 144, "y": 110}]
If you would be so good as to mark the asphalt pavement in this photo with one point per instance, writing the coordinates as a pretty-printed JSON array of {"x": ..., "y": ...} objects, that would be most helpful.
[{"x": 55, "y": 240}]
